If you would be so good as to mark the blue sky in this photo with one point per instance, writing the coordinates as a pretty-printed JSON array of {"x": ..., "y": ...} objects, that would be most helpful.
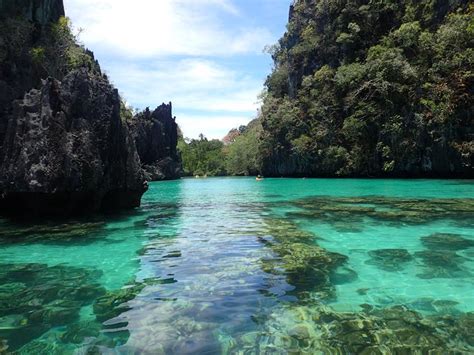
[{"x": 206, "y": 56}]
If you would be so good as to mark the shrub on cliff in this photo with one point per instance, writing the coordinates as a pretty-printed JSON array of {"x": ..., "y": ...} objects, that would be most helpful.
[{"x": 384, "y": 88}]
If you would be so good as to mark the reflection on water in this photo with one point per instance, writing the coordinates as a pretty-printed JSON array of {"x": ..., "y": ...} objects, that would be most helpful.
[{"x": 233, "y": 266}]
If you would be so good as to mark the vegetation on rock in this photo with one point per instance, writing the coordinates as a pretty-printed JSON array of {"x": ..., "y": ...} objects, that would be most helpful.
[
  {"x": 364, "y": 88},
  {"x": 65, "y": 140}
]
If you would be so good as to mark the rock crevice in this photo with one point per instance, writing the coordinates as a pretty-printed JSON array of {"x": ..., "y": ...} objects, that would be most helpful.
[
  {"x": 156, "y": 137},
  {"x": 67, "y": 150}
]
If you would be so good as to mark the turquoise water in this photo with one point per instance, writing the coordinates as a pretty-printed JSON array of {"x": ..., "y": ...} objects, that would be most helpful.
[{"x": 232, "y": 265}]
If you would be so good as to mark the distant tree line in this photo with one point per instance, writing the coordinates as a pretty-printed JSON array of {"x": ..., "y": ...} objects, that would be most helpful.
[
  {"x": 236, "y": 154},
  {"x": 360, "y": 88}
]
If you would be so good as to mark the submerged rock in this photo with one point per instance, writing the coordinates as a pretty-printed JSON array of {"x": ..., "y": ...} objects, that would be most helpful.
[
  {"x": 113, "y": 303},
  {"x": 76, "y": 333},
  {"x": 441, "y": 264},
  {"x": 389, "y": 259},
  {"x": 46, "y": 347},
  {"x": 66, "y": 150},
  {"x": 443, "y": 259},
  {"x": 3, "y": 346},
  {"x": 343, "y": 275},
  {"x": 35, "y": 298},
  {"x": 348, "y": 214},
  {"x": 156, "y": 137},
  {"x": 307, "y": 266},
  {"x": 466, "y": 326},
  {"x": 446, "y": 241},
  {"x": 393, "y": 330},
  {"x": 47, "y": 233}
]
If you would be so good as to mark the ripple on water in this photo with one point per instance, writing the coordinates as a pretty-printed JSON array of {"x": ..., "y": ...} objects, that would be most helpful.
[{"x": 231, "y": 266}]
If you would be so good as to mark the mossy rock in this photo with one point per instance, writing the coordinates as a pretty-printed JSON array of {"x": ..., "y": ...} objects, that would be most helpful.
[
  {"x": 343, "y": 275},
  {"x": 441, "y": 259},
  {"x": 112, "y": 303},
  {"x": 66, "y": 233},
  {"x": 12, "y": 322},
  {"x": 3, "y": 346},
  {"x": 303, "y": 333},
  {"x": 42, "y": 297},
  {"x": 446, "y": 241},
  {"x": 307, "y": 266},
  {"x": 393, "y": 330},
  {"x": 302, "y": 257},
  {"x": 466, "y": 327},
  {"x": 391, "y": 210},
  {"x": 46, "y": 347},
  {"x": 389, "y": 259},
  {"x": 76, "y": 333},
  {"x": 54, "y": 316}
]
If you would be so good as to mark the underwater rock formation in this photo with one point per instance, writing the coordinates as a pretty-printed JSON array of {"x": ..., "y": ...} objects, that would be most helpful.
[
  {"x": 310, "y": 327},
  {"x": 53, "y": 234},
  {"x": 346, "y": 213},
  {"x": 446, "y": 241},
  {"x": 41, "y": 310},
  {"x": 307, "y": 266},
  {"x": 112, "y": 303},
  {"x": 34, "y": 298},
  {"x": 389, "y": 259},
  {"x": 66, "y": 150},
  {"x": 441, "y": 264},
  {"x": 156, "y": 137}
]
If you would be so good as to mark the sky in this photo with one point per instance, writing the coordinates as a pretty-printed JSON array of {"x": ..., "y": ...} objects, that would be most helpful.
[{"x": 206, "y": 56}]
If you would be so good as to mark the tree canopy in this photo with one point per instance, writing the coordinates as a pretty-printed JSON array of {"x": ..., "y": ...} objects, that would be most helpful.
[{"x": 371, "y": 88}]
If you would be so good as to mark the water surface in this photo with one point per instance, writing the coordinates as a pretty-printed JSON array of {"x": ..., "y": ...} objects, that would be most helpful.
[{"x": 232, "y": 265}]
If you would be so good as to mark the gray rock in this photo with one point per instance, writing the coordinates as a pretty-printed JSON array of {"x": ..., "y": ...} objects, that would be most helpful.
[
  {"x": 66, "y": 150},
  {"x": 156, "y": 137},
  {"x": 38, "y": 11}
]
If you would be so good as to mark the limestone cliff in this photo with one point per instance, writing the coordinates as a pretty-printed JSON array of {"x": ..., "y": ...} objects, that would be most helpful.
[
  {"x": 156, "y": 136},
  {"x": 65, "y": 147},
  {"x": 371, "y": 88},
  {"x": 40, "y": 12}
]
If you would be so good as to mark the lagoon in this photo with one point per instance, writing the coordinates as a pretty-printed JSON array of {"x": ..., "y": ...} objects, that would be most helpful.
[{"x": 235, "y": 265}]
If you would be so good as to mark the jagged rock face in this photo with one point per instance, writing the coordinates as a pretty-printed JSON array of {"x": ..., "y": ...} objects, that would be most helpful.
[
  {"x": 339, "y": 103},
  {"x": 66, "y": 150},
  {"x": 24, "y": 25},
  {"x": 38, "y": 11},
  {"x": 156, "y": 138}
]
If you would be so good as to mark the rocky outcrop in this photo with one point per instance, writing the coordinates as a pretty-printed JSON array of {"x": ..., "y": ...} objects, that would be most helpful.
[
  {"x": 156, "y": 137},
  {"x": 38, "y": 11},
  {"x": 351, "y": 96},
  {"x": 65, "y": 145},
  {"x": 66, "y": 150},
  {"x": 29, "y": 49}
]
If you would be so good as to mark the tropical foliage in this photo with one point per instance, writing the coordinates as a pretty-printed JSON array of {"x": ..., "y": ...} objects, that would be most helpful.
[
  {"x": 237, "y": 155},
  {"x": 372, "y": 88}
]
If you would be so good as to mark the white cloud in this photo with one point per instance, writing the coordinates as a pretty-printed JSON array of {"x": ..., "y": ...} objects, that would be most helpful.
[
  {"x": 213, "y": 127},
  {"x": 182, "y": 51},
  {"x": 151, "y": 28},
  {"x": 192, "y": 84}
]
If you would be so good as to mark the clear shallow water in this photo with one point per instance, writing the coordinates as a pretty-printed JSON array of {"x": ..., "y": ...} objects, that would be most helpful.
[{"x": 233, "y": 265}]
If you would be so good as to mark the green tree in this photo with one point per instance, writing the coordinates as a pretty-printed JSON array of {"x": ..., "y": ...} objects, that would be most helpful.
[{"x": 382, "y": 88}]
